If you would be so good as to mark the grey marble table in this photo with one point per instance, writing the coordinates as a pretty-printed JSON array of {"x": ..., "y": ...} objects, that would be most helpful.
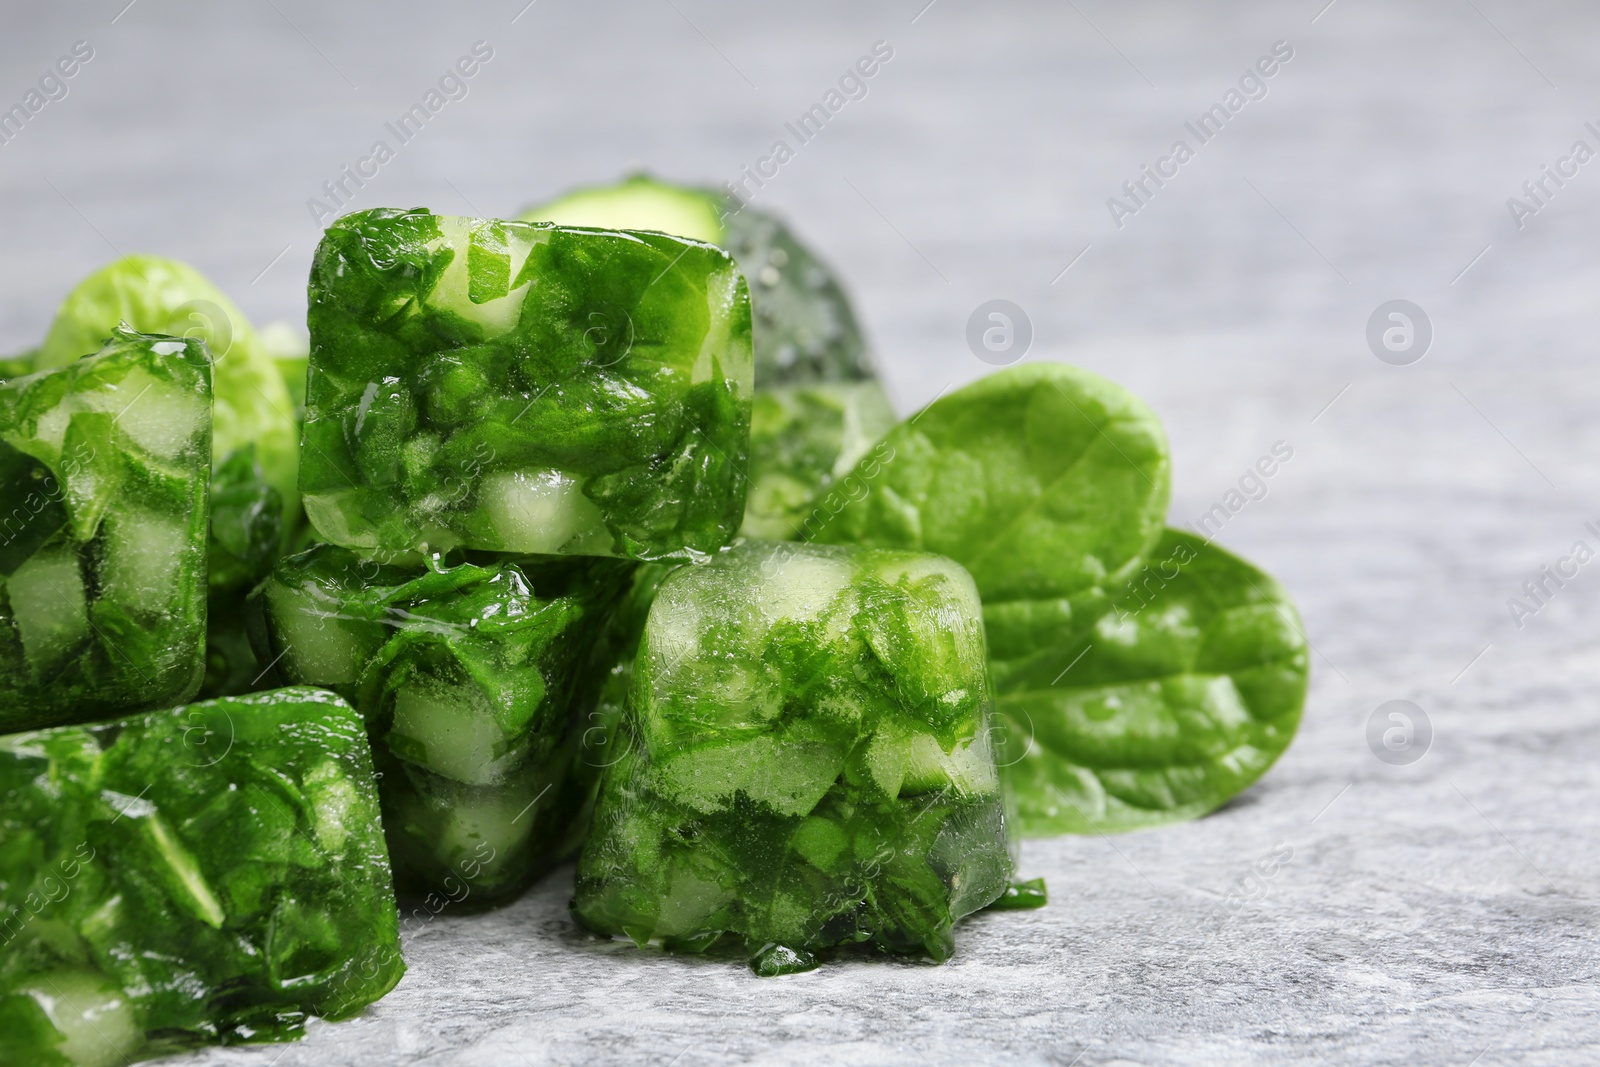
[{"x": 1441, "y": 911}]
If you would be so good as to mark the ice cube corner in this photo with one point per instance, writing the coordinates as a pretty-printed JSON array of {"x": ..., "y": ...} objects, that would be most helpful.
[
  {"x": 206, "y": 873},
  {"x": 806, "y": 761}
]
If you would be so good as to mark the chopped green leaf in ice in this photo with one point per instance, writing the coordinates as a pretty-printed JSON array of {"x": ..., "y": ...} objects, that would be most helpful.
[
  {"x": 806, "y": 761},
  {"x": 104, "y": 468},
  {"x": 471, "y": 681},
  {"x": 805, "y": 330},
  {"x": 206, "y": 873},
  {"x": 610, "y": 670},
  {"x": 804, "y": 440},
  {"x": 524, "y": 388}
]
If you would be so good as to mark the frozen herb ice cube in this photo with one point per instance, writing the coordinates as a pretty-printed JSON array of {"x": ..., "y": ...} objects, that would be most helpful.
[
  {"x": 524, "y": 388},
  {"x": 206, "y": 873},
  {"x": 104, "y": 470},
  {"x": 470, "y": 678},
  {"x": 807, "y": 761},
  {"x": 255, "y": 510}
]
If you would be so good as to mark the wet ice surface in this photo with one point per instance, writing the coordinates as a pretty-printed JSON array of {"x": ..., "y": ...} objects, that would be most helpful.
[{"x": 1430, "y": 914}]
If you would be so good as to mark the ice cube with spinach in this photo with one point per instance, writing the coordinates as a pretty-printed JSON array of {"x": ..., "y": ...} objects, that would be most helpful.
[
  {"x": 1142, "y": 676},
  {"x": 104, "y": 469},
  {"x": 254, "y": 454},
  {"x": 804, "y": 442},
  {"x": 524, "y": 388},
  {"x": 202, "y": 874},
  {"x": 804, "y": 761},
  {"x": 805, "y": 329},
  {"x": 471, "y": 678}
]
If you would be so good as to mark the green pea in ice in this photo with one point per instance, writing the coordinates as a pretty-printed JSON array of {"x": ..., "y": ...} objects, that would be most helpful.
[
  {"x": 471, "y": 679},
  {"x": 210, "y": 873},
  {"x": 807, "y": 761},
  {"x": 525, "y": 388},
  {"x": 104, "y": 468}
]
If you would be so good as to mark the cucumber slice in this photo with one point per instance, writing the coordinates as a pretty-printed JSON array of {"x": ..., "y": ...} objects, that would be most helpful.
[
  {"x": 154, "y": 413},
  {"x": 487, "y": 830},
  {"x": 801, "y": 587},
  {"x": 690, "y": 900},
  {"x": 639, "y": 203},
  {"x": 318, "y": 648},
  {"x": 50, "y": 607},
  {"x": 158, "y": 417},
  {"x": 452, "y": 731},
  {"x": 96, "y": 1021},
  {"x": 968, "y": 768},
  {"x": 542, "y": 511},
  {"x": 475, "y": 286},
  {"x": 790, "y": 777},
  {"x": 142, "y": 565}
]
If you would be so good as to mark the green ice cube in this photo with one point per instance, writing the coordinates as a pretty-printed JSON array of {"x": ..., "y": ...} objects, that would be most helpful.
[
  {"x": 177, "y": 878},
  {"x": 472, "y": 680},
  {"x": 255, "y": 509},
  {"x": 524, "y": 388},
  {"x": 104, "y": 467},
  {"x": 805, "y": 760}
]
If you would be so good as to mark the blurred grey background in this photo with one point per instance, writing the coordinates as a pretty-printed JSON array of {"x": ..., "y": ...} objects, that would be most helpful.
[{"x": 1441, "y": 911}]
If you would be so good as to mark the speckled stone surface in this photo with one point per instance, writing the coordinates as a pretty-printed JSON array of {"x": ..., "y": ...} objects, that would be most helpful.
[{"x": 1439, "y": 912}]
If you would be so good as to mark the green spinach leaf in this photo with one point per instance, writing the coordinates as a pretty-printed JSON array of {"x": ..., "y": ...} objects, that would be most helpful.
[
  {"x": 1048, "y": 483},
  {"x": 1179, "y": 697}
]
